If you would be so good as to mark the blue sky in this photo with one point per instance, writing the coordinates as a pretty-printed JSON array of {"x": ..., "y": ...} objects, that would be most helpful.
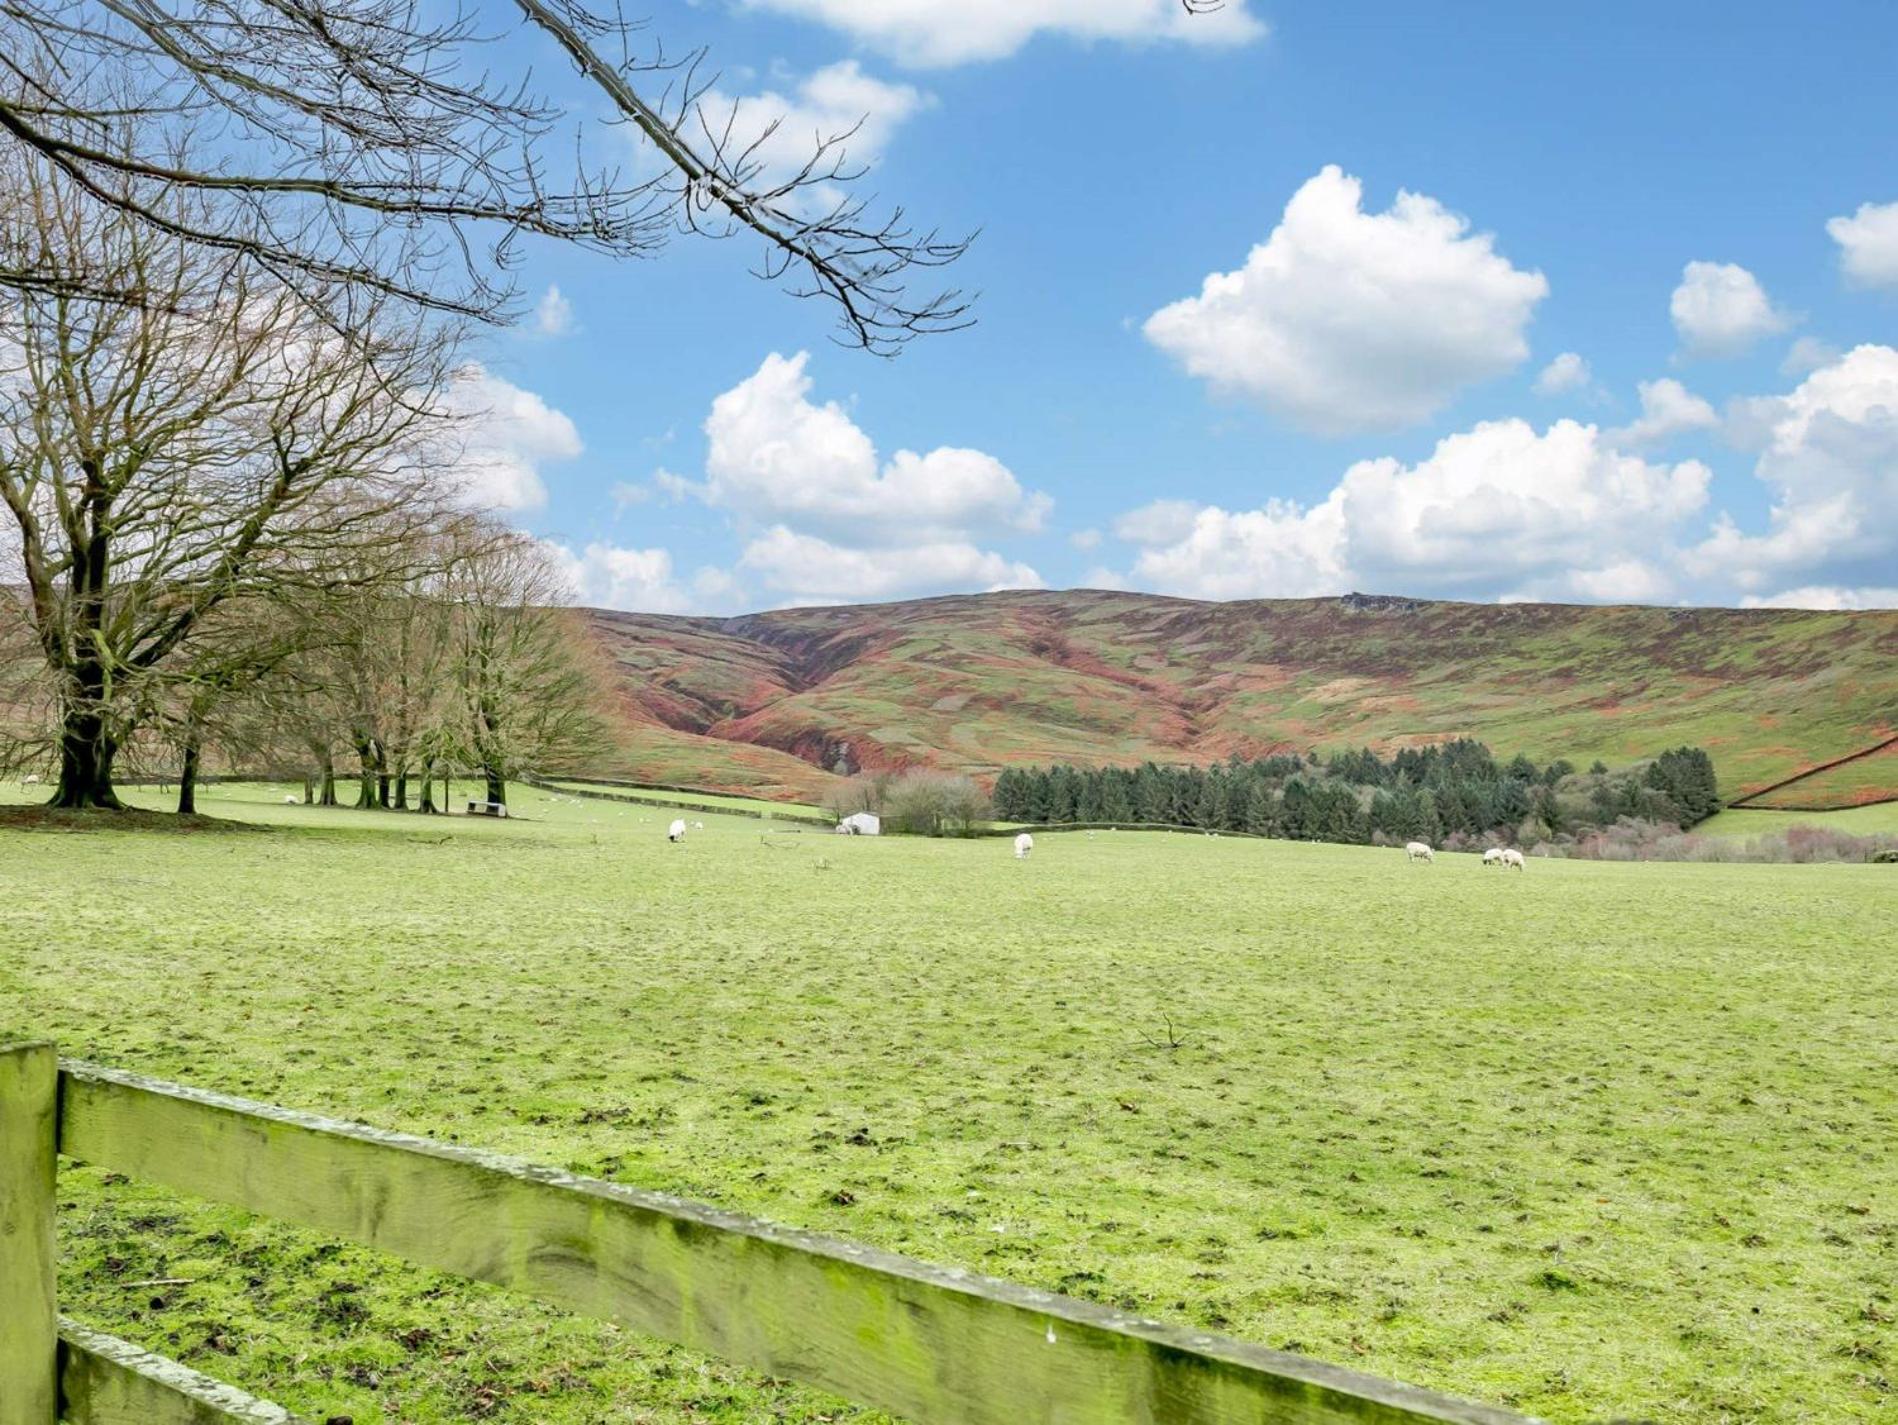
[{"x": 1694, "y": 206}]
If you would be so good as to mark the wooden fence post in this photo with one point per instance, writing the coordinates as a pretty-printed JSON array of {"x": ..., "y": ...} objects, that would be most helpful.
[{"x": 29, "y": 1340}]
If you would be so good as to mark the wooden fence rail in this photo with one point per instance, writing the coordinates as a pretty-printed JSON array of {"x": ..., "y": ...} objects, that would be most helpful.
[{"x": 938, "y": 1346}]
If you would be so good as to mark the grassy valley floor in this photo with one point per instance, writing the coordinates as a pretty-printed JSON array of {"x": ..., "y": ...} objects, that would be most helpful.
[{"x": 1595, "y": 1140}]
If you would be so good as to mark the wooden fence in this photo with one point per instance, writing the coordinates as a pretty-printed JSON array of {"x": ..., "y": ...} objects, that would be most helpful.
[{"x": 937, "y": 1346}]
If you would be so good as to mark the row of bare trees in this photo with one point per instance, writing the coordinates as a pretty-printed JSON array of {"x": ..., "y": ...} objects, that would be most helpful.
[
  {"x": 235, "y": 521},
  {"x": 470, "y": 667},
  {"x": 242, "y": 245}
]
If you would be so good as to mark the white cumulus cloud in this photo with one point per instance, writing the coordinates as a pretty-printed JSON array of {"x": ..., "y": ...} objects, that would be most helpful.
[
  {"x": 610, "y": 576},
  {"x": 840, "y": 522},
  {"x": 1280, "y": 551},
  {"x": 1868, "y": 244},
  {"x": 1344, "y": 320},
  {"x": 553, "y": 313},
  {"x": 1568, "y": 372},
  {"x": 1499, "y": 510},
  {"x": 1161, "y": 522},
  {"x": 1668, "y": 409},
  {"x": 808, "y": 569},
  {"x": 1806, "y": 355},
  {"x": 507, "y": 434},
  {"x": 605, "y": 576},
  {"x": 1826, "y": 596},
  {"x": 945, "y": 32},
  {"x": 775, "y": 455},
  {"x": 1720, "y": 309},
  {"x": 1503, "y": 507},
  {"x": 1829, "y": 451}
]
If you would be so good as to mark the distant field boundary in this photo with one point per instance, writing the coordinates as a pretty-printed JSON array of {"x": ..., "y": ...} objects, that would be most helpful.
[
  {"x": 643, "y": 786},
  {"x": 1012, "y": 829},
  {"x": 936, "y": 1345},
  {"x": 1017, "y": 828},
  {"x": 1739, "y": 803},
  {"x": 546, "y": 786},
  {"x": 1814, "y": 810}
]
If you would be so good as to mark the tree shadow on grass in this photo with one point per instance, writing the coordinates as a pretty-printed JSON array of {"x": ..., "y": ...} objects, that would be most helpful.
[{"x": 44, "y": 818}]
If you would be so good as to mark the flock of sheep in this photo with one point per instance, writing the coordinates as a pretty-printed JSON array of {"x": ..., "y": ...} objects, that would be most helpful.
[{"x": 1503, "y": 856}]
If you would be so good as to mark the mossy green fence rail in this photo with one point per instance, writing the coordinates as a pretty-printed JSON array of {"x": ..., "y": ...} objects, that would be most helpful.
[{"x": 937, "y": 1346}]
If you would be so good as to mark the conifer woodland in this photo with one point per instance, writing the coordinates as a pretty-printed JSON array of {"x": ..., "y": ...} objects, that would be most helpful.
[{"x": 1451, "y": 794}]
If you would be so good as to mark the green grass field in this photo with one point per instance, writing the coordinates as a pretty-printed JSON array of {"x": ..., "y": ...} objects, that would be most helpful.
[
  {"x": 1748, "y": 821},
  {"x": 1598, "y": 1140}
]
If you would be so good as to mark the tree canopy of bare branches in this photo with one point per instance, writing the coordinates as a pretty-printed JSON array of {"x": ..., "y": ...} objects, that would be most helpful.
[
  {"x": 524, "y": 672},
  {"x": 371, "y": 142},
  {"x": 229, "y": 442}
]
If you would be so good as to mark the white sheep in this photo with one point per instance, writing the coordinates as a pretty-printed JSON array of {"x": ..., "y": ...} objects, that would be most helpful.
[
  {"x": 698, "y": 826},
  {"x": 290, "y": 801},
  {"x": 1493, "y": 856},
  {"x": 1418, "y": 851},
  {"x": 676, "y": 832},
  {"x": 1512, "y": 857},
  {"x": 31, "y": 779},
  {"x": 1024, "y": 843}
]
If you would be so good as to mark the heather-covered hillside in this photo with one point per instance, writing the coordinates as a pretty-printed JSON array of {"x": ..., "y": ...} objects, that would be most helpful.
[{"x": 776, "y": 702}]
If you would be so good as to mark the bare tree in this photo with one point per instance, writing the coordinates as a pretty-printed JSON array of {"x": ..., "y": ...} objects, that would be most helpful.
[
  {"x": 529, "y": 682},
  {"x": 920, "y": 800},
  {"x": 165, "y": 461},
  {"x": 26, "y": 688},
  {"x": 932, "y": 803},
  {"x": 211, "y": 693},
  {"x": 371, "y": 142},
  {"x": 387, "y": 646}
]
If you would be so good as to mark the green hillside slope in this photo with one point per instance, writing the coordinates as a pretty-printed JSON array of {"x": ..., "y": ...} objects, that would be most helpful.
[{"x": 775, "y": 702}]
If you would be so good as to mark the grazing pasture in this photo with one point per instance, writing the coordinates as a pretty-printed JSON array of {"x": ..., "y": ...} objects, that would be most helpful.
[
  {"x": 1597, "y": 1140},
  {"x": 1759, "y": 821}
]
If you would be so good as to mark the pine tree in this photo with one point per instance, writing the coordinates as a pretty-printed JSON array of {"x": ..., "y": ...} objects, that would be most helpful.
[{"x": 1261, "y": 809}]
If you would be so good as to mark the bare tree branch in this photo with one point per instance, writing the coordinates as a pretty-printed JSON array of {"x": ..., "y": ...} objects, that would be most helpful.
[{"x": 364, "y": 141}]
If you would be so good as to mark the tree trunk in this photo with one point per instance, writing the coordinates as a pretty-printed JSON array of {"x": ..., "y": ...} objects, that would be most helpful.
[
  {"x": 427, "y": 806},
  {"x": 309, "y": 790},
  {"x": 497, "y": 785},
  {"x": 328, "y": 797},
  {"x": 188, "y": 778},
  {"x": 382, "y": 790},
  {"x": 86, "y": 751},
  {"x": 401, "y": 797},
  {"x": 365, "y": 776}
]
